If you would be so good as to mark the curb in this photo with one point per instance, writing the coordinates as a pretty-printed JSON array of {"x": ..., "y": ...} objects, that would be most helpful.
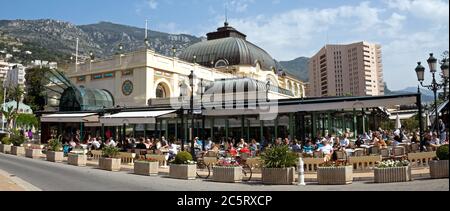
[{"x": 19, "y": 182}]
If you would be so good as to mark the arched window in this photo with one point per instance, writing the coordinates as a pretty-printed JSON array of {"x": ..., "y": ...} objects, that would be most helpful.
[{"x": 161, "y": 92}]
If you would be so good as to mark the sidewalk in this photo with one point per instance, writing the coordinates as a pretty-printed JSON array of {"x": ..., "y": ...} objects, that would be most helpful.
[{"x": 9, "y": 182}]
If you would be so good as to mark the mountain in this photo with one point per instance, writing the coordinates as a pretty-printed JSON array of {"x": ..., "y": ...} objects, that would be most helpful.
[
  {"x": 297, "y": 67},
  {"x": 102, "y": 38},
  {"x": 427, "y": 95}
]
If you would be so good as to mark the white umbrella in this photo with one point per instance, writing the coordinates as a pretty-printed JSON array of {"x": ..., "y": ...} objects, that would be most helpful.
[
  {"x": 428, "y": 120},
  {"x": 398, "y": 123}
]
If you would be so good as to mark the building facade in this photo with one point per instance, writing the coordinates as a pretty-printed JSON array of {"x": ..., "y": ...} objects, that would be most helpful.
[
  {"x": 347, "y": 70},
  {"x": 138, "y": 78}
]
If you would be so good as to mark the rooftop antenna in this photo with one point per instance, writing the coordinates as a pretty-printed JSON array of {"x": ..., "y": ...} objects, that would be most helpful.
[
  {"x": 147, "y": 44},
  {"x": 226, "y": 13}
]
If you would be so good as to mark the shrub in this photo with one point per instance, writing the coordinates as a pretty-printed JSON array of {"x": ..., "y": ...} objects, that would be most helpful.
[
  {"x": 110, "y": 152},
  {"x": 442, "y": 152},
  {"x": 55, "y": 145},
  {"x": 6, "y": 140},
  {"x": 17, "y": 139},
  {"x": 183, "y": 158},
  {"x": 279, "y": 157}
]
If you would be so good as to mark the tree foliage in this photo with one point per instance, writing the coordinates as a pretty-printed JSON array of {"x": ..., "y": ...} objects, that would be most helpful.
[
  {"x": 27, "y": 120},
  {"x": 35, "y": 96}
]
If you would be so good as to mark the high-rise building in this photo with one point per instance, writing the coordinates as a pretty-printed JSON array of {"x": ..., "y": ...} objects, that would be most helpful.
[{"x": 347, "y": 70}]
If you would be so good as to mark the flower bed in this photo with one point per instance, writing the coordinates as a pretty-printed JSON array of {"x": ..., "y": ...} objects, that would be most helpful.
[
  {"x": 56, "y": 157},
  {"x": 18, "y": 151},
  {"x": 335, "y": 175},
  {"x": 5, "y": 148},
  {"x": 77, "y": 159},
  {"x": 393, "y": 171},
  {"x": 439, "y": 169},
  {"x": 183, "y": 171},
  {"x": 33, "y": 153},
  {"x": 146, "y": 167}
]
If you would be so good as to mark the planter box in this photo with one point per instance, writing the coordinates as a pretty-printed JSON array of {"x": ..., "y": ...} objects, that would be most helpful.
[
  {"x": 5, "y": 148},
  {"x": 110, "y": 164},
  {"x": 19, "y": 151},
  {"x": 335, "y": 175},
  {"x": 146, "y": 168},
  {"x": 227, "y": 174},
  {"x": 56, "y": 157},
  {"x": 77, "y": 160},
  {"x": 278, "y": 176},
  {"x": 188, "y": 172},
  {"x": 439, "y": 169},
  {"x": 391, "y": 175},
  {"x": 33, "y": 153}
]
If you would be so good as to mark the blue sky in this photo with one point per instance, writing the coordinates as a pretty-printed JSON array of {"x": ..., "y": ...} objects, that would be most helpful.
[{"x": 407, "y": 29}]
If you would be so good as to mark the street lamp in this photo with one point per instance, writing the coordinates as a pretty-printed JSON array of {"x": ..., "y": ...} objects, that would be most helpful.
[
  {"x": 191, "y": 83},
  {"x": 181, "y": 85},
  {"x": 92, "y": 57},
  {"x": 434, "y": 86},
  {"x": 445, "y": 74}
]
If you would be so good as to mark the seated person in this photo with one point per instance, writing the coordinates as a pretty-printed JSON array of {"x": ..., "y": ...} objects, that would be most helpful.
[
  {"x": 308, "y": 148},
  {"x": 344, "y": 142},
  {"x": 232, "y": 151},
  {"x": 327, "y": 150},
  {"x": 141, "y": 144},
  {"x": 434, "y": 142},
  {"x": 245, "y": 149},
  {"x": 397, "y": 141}
]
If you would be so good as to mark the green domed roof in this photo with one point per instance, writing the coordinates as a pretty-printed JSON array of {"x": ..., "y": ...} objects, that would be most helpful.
[{"x": 229, "y": 45}]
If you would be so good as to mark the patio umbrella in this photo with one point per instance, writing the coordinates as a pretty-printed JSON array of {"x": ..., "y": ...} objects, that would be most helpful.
[
  {"x": 428, "y": 121},
  {"x": 398, "y": 123}
]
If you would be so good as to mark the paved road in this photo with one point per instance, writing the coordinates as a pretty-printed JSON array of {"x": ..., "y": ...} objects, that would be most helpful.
[{"x": 62, "y": 177}]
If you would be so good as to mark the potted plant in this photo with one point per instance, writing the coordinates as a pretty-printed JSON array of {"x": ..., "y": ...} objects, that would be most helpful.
[
  {"x": 5, "y": 146},
  {"x": 439, "y": 168},
  {"x": 227, "y": 170},
  {"x": 55, "y": 151},
  {"x": 183, "y": 167},
  {"x": 17, "y": 140},
  {"x": 33, "y": 151},
  {"x": 109, "y": 160},
  {"x": 278, "y": 166},
  {"x": 393, "y": 171},
  {"x": 332, "y": 174},
  {"x": 146, "y": 166}
]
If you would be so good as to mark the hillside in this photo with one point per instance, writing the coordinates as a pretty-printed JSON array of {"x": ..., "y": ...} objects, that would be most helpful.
[{"x": 102, "y": 38}]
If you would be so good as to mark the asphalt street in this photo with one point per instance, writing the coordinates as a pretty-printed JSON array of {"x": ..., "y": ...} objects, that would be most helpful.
[{"x": 49, "y": 176}]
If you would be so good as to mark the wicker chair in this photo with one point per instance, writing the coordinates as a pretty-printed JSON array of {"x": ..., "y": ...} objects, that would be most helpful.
[
  {"x": 415, "y": 147},
  {"x": 359, "y": 153},
  {"x": 398, "y": 153},
  {"x": 375, "y": 150},
  {"x": 341, "y": 157},
  {"x": 385, "y": 155},
  {"x": 318, "y": 154}
]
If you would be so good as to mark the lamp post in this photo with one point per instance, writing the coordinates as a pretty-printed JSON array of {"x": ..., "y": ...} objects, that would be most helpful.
[
  {"x": 191, "y": 83},
  {"x": 182, "y": 116},
  {"x": 445, "y": 74},
  {"x": 434, "y": 86},
  {"x": 92, "y": 57}
]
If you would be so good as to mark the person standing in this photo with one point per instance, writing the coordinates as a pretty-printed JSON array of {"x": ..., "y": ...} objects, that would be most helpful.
[
  {"x": 30, "y": 134},
  {"x": 442, "y": 131}
]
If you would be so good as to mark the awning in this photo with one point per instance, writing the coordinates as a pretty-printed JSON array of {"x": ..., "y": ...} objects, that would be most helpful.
[
  {"x": 71, "y": 118},
  {"x": 139, "y": 117},
  {"x": 440, "y": 108}
]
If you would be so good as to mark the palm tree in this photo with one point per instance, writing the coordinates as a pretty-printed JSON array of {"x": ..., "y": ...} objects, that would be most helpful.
[
  {"x": 16, "y": 94},
  {"x": 9, "y": 115}
]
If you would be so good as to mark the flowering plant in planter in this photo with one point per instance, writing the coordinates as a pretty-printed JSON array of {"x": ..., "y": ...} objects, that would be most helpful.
[
  {"x": 183, "y": 158},
  {"x": 228, "y": 162},
  {"x": 393, "y": 164}
]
